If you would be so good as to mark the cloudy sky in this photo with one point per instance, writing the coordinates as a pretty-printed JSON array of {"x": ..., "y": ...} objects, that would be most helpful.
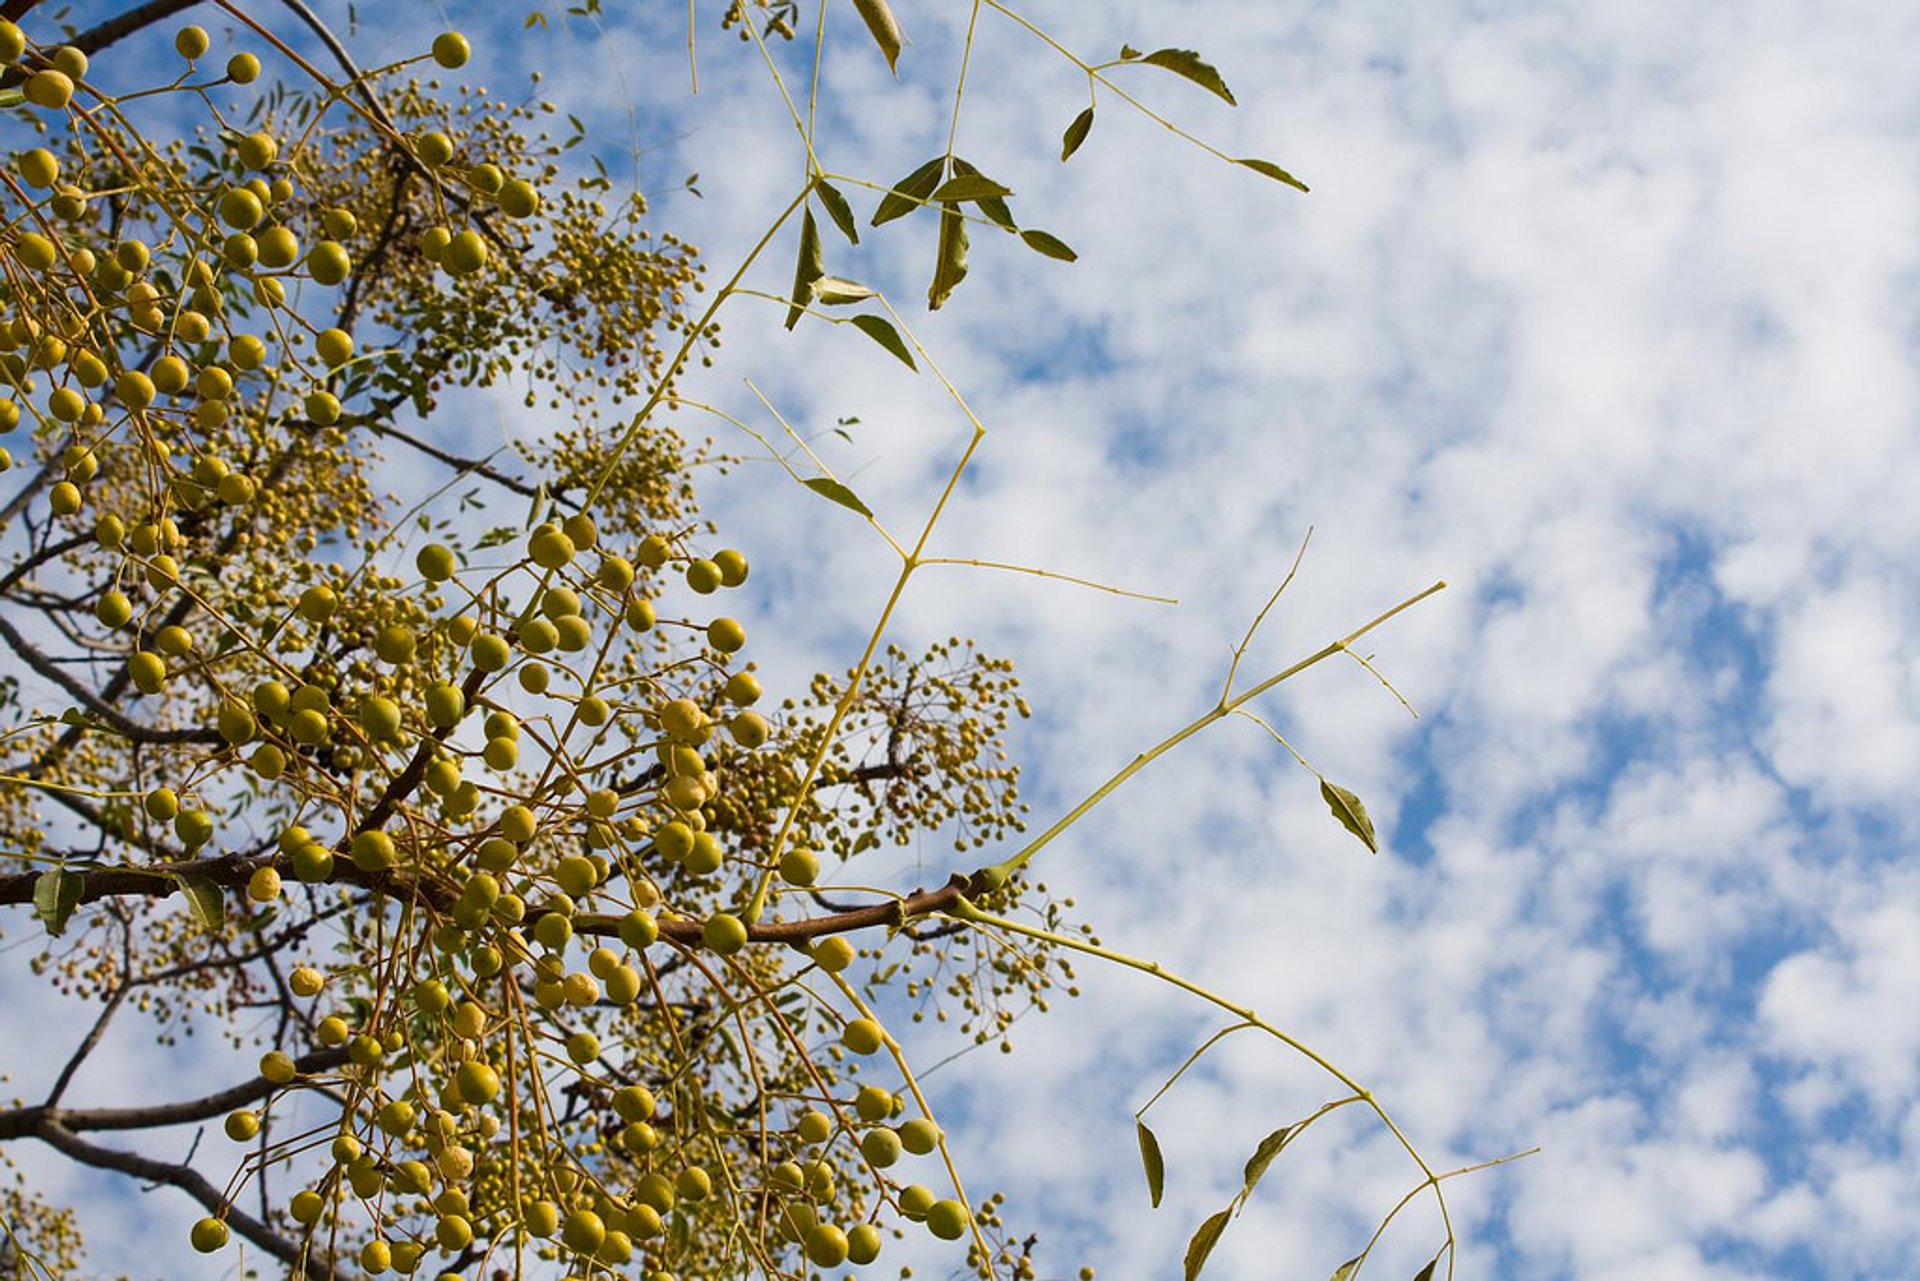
[{"x": 1605, "y": 314}]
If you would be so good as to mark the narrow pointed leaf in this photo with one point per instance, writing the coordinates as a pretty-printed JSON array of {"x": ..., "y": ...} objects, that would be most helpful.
[
  {"x": 1426, "y": 1273},
  {"x": 994, "y": 207},
  {"x": 833, "y": 491},
  {"x": 837, "y": 291},
  {"x": 808, "y": 269},
  {"x": 880, "y": 22},
  {"x": 1352, "y": 814},
  {"x": 969, "y": 186},
  {"x": 1270, "y": 1147},
  {"x": 208, "y": 904},
  {"x": 837, "y": 209},
  {"x": 1150, "y": 1158},
  {"x": 910, "y": 192},
  {"x": 882, "y": 331},
  {"x": 1051, "y": 246},
  {"x": 1204, "y": 1240},
  {"x": 1128, "y": 53},
  {"x": 56, "y": 893},
  {"x": 950, "y": 265},
  {"x": 1272, "y": 171},
  {"x": 1346, "y": 1270},
  {"x": 1185, "y": 62},
  {"x": 1076, "y": 134}
]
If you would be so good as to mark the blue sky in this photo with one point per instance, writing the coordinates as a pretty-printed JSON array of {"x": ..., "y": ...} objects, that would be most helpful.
[{"x": 1605, "y": 314}]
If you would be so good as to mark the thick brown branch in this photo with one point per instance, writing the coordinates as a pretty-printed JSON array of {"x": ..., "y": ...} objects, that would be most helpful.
[
  {"x": 188, "y": 1180},
  {"x": 21, "y": 1122}
]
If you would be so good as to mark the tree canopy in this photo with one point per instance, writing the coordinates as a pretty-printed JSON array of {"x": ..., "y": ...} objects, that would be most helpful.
[{"x": 553, "y": 929}]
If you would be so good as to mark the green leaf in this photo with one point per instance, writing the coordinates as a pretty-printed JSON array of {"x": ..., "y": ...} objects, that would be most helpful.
[
  {"x": 1352, "y": 814},
  {"x": 993, "y": 207},
  {"x": 910, "y": 192},
  {"x": 969, "y": 184},
  {"x": 882, "y": 331},
  {"x": 1346, "y": 1270},
  {"x": 1076, "y": 134},
  {"x": 1426, "y": 1273},
  {"x": 808, "y": 269},
  {"x": 204, "y": 899},
  {"x": 1128, "y": 53},
  {"x": 1272, "y": 171},
  {"x": 1185, "y": 62},
  {"x": 1151, "y": 1158},
  {"x": 834, "y": 491},
  {"x": 56, "y": 892},
  {"x": 880, "y": 22},
  {"x": 1051, "y": 246},
  {"x": 1270, "y": 1147},
  {"x": 11, "y": 98},
  {"x": 950, "y": 263},
  {"x": 1204, "y": 1240},
  {"x": 836, "y": 291},
  {"x": 837, "y": 209}
]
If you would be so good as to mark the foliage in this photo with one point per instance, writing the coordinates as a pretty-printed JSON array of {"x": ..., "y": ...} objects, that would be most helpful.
[{"x": 553, "y": 944}]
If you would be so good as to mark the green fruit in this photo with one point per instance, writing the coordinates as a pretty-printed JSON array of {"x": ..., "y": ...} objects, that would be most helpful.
[
  {"x": 277, "y": 247},
  {"x": 268, "y": 761},
  {"x": 240, "y": 208},
  {"x": 623, "y": 985},
  {"x": 161, "y": 804},
  {"x": 307, "y": 1206},
  {"x": 539, "y": 636},
  {"x": 581, "y": 529},
  {"x": 724, "y": 933},
  {"x": 863, "y": 1244},
  {"x": 584, "y": 1231},
  {"x": 446, "y": 704},
  {"x": 542, "y": 1218},
  {"x": 500, "y": 753},
  {"x": 309, "y": 726},
  {"x": 919, "y": 1136},
  {"x": 634, "y": 1103},
  {"x": 693, "y": 1184},
  {"x": 799, "y": 867},
  {"x": 615, "y": 574},
  {"x": 490, "y": 652},
  {"x": 323, "y": 407},
  {"x": 726, "y": 635},
  {"x": 258, "y": 150},
  {"x": 732, "y": 565},
  {"x": 916, "y": 1200},
  {"x": 53, "y": 90},
  {"x": 814, "y": 1126},
  {"x": 329, "y": 263},
  {"x": 655, "y": 1190},
  {"x": 465, "y": 254},
  {"x": 881, "y": 1147},
  {"x": 518, "y": 199},
  {"x": 113, "y": 610},
  {"x": 373, "y": 851},
  {"x": 749, "y": 729},
  {"x": 452, "y": 50},
  {"x": 312, "y": 863},
  {"x": 640, "y": 615},
  {"x": 833, "y": 954},
  {"x": 191, "y": 42},
  {"x": 243, "y": 68},
  {"x": 339, "y": 224},
  {"x": 318, "y": 603},
  {"x": 638, "y": 930},
  {"x": 517, "y": 824},
  {"x": 395, "y": 644},
  {"x": 148, "y": 671},
  {"x": 862, "y": 1036},
  {"x": 826, "y": 1246},
  {"x": 742, "y": 689},
  {"x": 476, "y": 1082},
  {"x": 948, "y": 1220},
  {"x": 549, "y": 547},
  {"x": 872, "y": 1103},
  {"x": 241, "y": 1126},
  {"x": 380, "y": 717},
  {"x": 236, "y": 724},
  {"x": 704, "y": 577},
  {"x": 38, "y": 167},
  {"x": 208, "y": 1234},
  {"x": 335, "y": 347}
]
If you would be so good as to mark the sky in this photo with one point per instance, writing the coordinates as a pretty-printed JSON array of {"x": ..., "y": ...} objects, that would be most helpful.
[{"x": 1607, "y": 315}]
